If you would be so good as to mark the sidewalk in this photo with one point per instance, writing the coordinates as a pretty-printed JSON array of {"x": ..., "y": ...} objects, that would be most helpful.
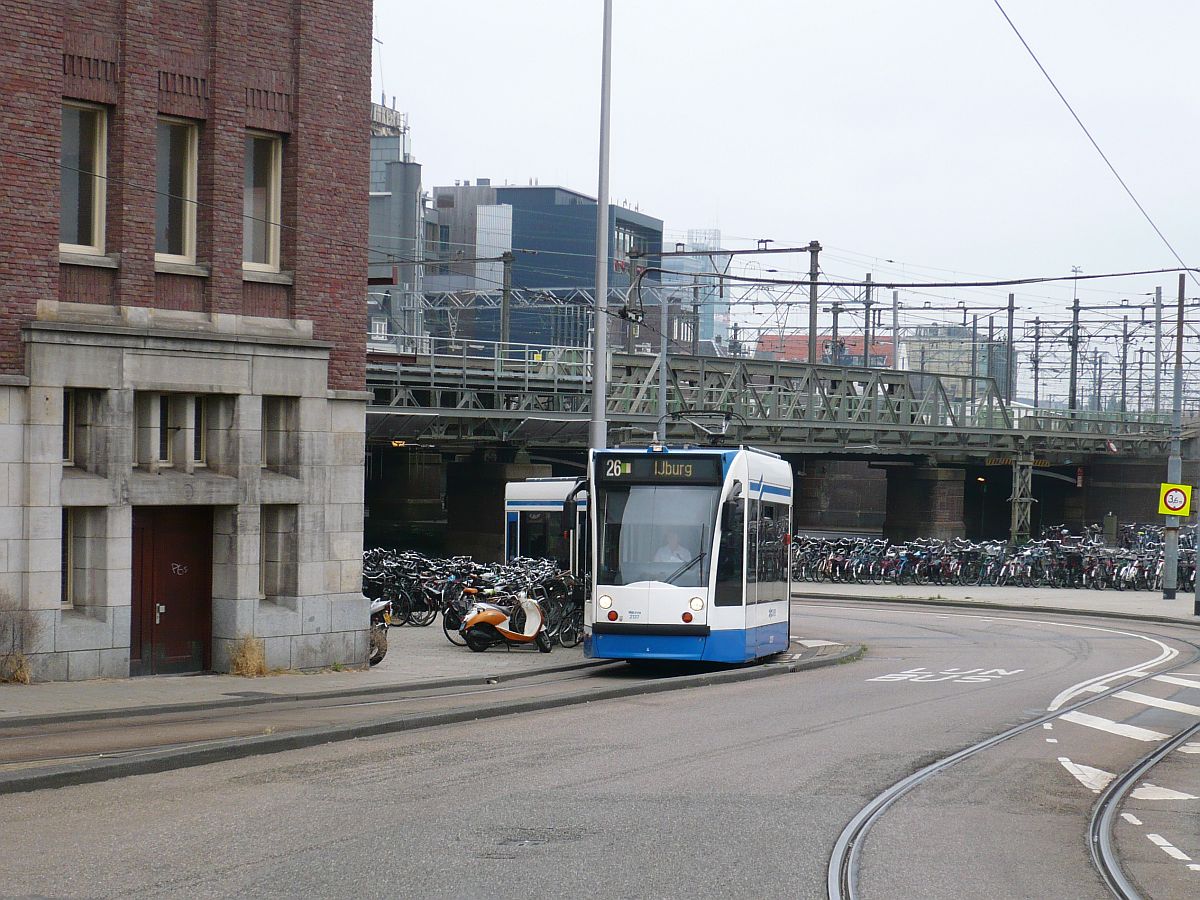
[
  {"x": 417, "y": 657},
  {"x": 1145, "y": 604}
]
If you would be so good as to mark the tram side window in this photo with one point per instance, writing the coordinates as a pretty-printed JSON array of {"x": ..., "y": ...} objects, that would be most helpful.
[
  {"x": 542, "y": 537},
  {"x": 732, "y": 556},
  {"x": 752, "y": 550},
  {"x": 511, "y": 541},
  {"x": 772, "y": 553}
]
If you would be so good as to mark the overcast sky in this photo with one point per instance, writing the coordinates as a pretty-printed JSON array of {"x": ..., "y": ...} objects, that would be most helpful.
[{"x": 917, "y": 131}]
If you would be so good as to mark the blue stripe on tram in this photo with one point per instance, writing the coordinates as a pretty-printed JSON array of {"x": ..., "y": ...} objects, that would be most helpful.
[{"x": 732, "y": 645}]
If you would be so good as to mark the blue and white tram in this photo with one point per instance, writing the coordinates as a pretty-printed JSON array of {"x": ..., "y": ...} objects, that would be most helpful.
[
  {"x": 534, "y": 524},
  {"x": 690, "y": 554}
]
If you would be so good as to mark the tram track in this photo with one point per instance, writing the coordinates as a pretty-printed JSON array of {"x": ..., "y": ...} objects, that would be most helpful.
[
  {"x": 846, "y": 858},
  {"x": 1104, "y": 856}
]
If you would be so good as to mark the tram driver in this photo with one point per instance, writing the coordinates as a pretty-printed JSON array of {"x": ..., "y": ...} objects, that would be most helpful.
[{"x": 672, "y": 551}]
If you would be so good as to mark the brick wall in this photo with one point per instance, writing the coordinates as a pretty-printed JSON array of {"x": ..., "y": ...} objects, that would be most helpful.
[
  {"x": 297, "y": 67},
  {"x": 30, "y": 79}
]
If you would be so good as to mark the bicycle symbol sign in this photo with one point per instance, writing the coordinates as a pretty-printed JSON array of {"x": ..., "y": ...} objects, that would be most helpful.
[{"x": 1175, "y": 500}]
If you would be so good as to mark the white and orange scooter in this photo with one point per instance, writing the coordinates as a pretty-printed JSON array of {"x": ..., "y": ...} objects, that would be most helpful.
[{"x": 490, "y": 624}]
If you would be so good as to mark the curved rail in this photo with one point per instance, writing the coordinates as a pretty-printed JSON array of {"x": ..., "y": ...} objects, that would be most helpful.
[
  {"x": 842, "y": 875},
  {"x": 1104, "y": 857}
]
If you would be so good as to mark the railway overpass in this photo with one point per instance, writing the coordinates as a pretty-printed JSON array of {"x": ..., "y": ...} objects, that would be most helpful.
[{"x": 926, "y": 431}]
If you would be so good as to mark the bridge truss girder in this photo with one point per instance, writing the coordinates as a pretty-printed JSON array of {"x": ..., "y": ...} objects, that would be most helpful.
[{"x": 789, "y": 407}]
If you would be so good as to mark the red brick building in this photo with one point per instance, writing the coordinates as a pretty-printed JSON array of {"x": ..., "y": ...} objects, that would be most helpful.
[
  {"x": 794, "y": 348},
  {"x": 183, "y": 231}
]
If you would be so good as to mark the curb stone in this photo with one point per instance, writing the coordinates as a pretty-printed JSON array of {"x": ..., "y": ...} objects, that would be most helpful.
[
  {"x": 991, "y": 604},
  {"x": 18, "y": 781},
  {"x": 348, "y": 691}
]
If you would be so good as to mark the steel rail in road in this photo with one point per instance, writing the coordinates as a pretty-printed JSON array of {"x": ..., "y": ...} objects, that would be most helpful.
[
  {"x": 1104, "y": 856},
  {"x": 844, "y": 862}
]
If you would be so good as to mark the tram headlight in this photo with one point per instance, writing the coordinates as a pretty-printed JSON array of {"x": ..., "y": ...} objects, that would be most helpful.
[
  {"x": 605, "y": 601},
  {"x": 696, "y": 603}
]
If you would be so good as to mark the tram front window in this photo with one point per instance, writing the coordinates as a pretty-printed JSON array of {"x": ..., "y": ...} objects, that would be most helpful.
[{"x": 657, "y": 533}]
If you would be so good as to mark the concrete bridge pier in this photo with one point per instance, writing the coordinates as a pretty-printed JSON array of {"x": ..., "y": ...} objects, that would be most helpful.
[
  {"x": 475, "y": 500},
  {"x": 924, "y": 502},
  {"x": 838, "y": 495}
]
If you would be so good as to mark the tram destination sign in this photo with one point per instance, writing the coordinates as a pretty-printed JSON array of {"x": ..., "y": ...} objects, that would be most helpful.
[{"x": 669, "y": 468}]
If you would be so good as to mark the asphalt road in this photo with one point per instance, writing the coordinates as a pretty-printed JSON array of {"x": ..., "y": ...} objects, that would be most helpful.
[{"x": 736, "y": 789}]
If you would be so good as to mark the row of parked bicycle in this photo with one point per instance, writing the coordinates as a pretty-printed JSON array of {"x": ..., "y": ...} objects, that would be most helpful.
[
  {"x": 1062, "y": 562},
  {"x": 528, "y": 601}
]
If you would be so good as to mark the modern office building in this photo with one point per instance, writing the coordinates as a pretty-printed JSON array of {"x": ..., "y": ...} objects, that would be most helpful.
[
  {"x": 957, "y": 350},
  {"x": 696, "y": 283},
  {"x": 181, "y": 344},
  {"x": 399, "y": 223},
  {"x": 552, "y": 234}
]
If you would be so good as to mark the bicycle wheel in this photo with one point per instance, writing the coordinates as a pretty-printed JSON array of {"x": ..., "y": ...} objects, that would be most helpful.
[
  {"x": 571, "y": 633},
  {"x": 451, "y": 622}
]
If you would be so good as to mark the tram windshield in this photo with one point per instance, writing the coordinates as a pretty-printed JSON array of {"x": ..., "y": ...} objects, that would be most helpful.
[{"x": 657, "y": 533}]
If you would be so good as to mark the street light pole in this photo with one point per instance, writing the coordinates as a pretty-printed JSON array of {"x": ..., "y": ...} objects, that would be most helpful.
[{"x": 598, "y": 430}]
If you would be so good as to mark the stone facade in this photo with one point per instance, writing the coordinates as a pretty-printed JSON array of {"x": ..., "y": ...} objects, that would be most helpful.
[{"x": 128, "y": 382}]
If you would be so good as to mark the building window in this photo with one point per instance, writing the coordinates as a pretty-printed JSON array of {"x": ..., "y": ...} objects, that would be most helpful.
[
  {"x": 82, "y": 178},
  {"x": 67, "y": 583},
  {"x": 164, "y": 430},
  {"x": 278, "y": 552},
  {"x": 68, "y": 428},
  {"x": 199, "y": 430},
  {"x": 280, "y": 430},
  {"x": 175, "y": 230},
  {"x": 260, "y": 205}
]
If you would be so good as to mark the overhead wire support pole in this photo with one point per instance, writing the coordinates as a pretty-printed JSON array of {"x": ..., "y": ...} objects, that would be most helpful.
[
  {"x": 598, "y": 428},
  {"x": 814, "y": 272},
  {"x": 506, "y": 298},
  {"x": 896, "y": 330},
  {"x": 867, "y": 324},
  {"x": 1170, "y": 574},
  {"x": 1009, "y": 359},
  {"x": 1158, "y": 311},
  {"x": 1073, "y": 398},
  {"x": 664, "y": 323}
]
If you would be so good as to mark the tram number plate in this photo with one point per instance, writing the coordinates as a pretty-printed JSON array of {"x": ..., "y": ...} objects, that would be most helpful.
[{"x": 959, "y": 676}]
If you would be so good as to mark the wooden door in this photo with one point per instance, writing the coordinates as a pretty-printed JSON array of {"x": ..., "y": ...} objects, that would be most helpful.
[{"x": 171, "y": 628}]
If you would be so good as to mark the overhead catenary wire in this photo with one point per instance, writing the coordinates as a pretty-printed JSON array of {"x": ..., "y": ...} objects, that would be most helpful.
[{"x": 1183, "y": 266}]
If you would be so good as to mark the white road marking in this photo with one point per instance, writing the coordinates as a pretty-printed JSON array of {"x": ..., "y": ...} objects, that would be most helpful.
[
  {"x": 1049, "y": 726},
  {"x": 1131, "y": 818},
  {"x": 1190, "y": 748},
  {"x": 1150, "y": 791},
  {"x": 816, "y": 643},
  {"x": 1095, "y": 780},
  {"x": 1148, "y": 700},
  {"x": 1166, "y": 654},
  {"x": 1167, "y": 847},
  {"x": 1175, "y": 679},
  {"x": 1194, "y": 867},
  {"x": 1119, "y": 728},
  {"x": 1051, "y": 740}
]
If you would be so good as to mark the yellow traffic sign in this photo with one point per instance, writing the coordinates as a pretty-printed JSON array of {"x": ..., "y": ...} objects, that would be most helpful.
[{"x": 1175, "y": 500}]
